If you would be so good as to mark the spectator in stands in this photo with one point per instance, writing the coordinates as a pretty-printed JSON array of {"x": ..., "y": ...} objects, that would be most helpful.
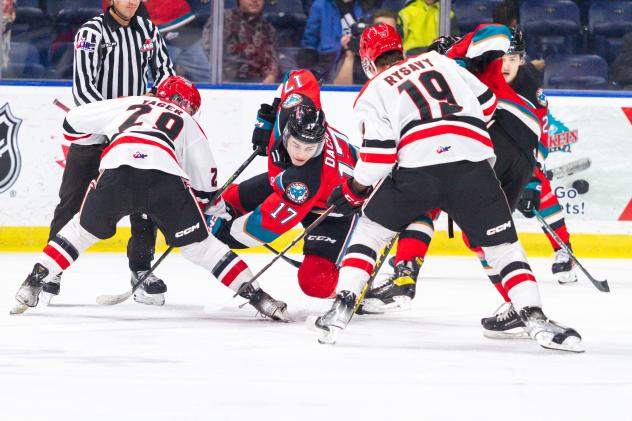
[
  {"x": 506, "y": 13},
  {"x": 8, "y": 17},
  {"x": 250, "y": 53},
  {"x": 418, "y": 22},
  {"x": 622, "y": 66},
  {"x": 350, "y": 70},
  {"x": 327, "y": 22}
]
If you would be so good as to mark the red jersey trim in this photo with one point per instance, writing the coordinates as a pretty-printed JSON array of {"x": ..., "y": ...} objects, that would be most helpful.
[
  {"x": 73, "y": 138},
  {"x": 131, "y": 139},
  {"x": 378, "y": 158},
  {"x": 441, "y": 130}
]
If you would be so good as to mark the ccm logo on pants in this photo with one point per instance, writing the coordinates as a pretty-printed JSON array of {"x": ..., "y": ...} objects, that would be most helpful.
[
  {"x": 187, "y": 230},
  {"x": 497, "y": 229}
]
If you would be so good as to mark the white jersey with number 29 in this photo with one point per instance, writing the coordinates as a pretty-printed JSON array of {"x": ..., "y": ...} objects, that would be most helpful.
[{"x": 425, "y": 110}]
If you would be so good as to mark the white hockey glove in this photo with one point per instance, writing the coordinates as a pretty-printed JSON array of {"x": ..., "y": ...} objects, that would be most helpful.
[{"x": 219, "y": 210}]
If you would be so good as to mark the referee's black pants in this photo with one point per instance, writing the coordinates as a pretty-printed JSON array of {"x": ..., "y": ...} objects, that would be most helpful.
[{"x": 82, "y": 166}]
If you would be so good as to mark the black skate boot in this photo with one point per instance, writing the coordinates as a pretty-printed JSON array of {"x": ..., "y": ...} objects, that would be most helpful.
[
  {"x": 549, "y": 334},
  {"x": 337, "y": 318},
  {"x": 396, "y": 293},
  {"x": 504, "y": 324},
  {"x": 564, "y": 267},
  {"x": 50, "y": 288},
  {"x": 265, "y": 304},
  {"x": 151, "y": 291},
  {"x": 28, "y": 294}
]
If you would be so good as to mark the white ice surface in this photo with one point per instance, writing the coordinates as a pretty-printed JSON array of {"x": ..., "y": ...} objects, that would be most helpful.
[{"x": 201, "y": 358}]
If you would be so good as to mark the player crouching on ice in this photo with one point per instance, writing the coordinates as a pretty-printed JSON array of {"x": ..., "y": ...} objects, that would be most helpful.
[
  {"x": 307, "y": 159},
  {"x": 428, "y": 115},
  {"x": 158, "y": 162}
]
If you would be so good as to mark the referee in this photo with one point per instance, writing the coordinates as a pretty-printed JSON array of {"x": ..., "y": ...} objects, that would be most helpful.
[{"x": 114, "y": 52}]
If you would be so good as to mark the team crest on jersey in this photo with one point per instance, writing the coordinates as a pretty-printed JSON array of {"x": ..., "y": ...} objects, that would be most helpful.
[
  {"x": 10, "y": 159},
  {"x": 539, "y": 94},
  {"x": 292, "y": 101},
  {"x": 297, "y": 192},
  {"x": 147, "y": 46},
  {"x": 84, "y": 44}
]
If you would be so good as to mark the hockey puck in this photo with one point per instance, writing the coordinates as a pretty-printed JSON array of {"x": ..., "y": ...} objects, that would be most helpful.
[{"x": 581, "y": 186}]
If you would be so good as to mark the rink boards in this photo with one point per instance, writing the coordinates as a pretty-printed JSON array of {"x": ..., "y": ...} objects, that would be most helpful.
[{"x": 583, "y": 125}]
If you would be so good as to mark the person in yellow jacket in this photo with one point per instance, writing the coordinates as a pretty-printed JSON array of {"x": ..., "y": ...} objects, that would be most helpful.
[{"x": 418, "y": 22}]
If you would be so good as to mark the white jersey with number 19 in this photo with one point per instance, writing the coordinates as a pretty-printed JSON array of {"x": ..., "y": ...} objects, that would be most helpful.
[{"x": 425, "y": 110}]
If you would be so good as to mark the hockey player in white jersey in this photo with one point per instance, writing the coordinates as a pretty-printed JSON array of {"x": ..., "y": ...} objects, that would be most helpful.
[
  {"x": 423, "y": 122},
  {"x": 159, "y": 163}
]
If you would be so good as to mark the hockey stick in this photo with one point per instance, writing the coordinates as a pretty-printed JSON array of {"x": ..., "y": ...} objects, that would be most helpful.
[
  {"x": 378, "y": 265},
  {"x": 291, "y": 261},
  {"x": 566, "y": 170},
  {"x": 600, "y": 285},
  {"x": 108, "y": 300},
  {"x": 285, "y": 250},
  {"x": 60, "y": 105}
]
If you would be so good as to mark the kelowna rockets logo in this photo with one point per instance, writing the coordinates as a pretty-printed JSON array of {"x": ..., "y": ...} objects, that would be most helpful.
[{"x": 10, "y": 160}]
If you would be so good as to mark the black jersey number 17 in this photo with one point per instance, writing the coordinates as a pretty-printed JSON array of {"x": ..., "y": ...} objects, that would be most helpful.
[{"x": 438, "y": 88}]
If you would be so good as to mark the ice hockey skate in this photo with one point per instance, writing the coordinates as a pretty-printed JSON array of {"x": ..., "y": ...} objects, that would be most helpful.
[
  {"x": 337, "y": 318},
  {"x": 28, "y": 294},
  {"x": 396, "y": 293},
  {"x": 152, "y": 291},
  {"x": 50, "y": 289},
  {"x": 265, "y": 304},
  {"x": 549, "y": 334},
  {"x": 504, "y": 324},
  {"x": 564, "y": 267}
]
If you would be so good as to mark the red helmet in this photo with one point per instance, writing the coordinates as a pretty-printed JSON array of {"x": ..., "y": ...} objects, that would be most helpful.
[
  {"x": 180, "y": 91},
  {"x": 377, "y": 40}
]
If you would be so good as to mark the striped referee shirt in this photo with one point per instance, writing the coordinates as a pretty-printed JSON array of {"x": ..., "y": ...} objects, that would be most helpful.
[{"x": 113, "y": 61}]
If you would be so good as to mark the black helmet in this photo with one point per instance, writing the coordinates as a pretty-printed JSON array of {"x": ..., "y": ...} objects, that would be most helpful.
[
  {"x": 517, "y": 41},
  {"x": 306, "y": 123},
  {"x": 442, "y": 44}
]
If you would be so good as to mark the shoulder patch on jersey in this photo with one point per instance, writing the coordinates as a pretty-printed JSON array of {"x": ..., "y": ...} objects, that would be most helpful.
[
  {"x": 292, "y": 101},
  {"x": 539, "y": 94},
  {"x": 84, "y": 44},
  {"x": 297, "y": 192}
]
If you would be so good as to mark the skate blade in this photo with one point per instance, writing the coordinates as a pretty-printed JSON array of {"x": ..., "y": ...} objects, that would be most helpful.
[
  {"x": 149, "y": 299},
  {"x": 18, "y": 308},
  {"x": 282, "y": 316},
  {"x": 564, "y": 278},
  {"x": 327, "y": 335},
  {"x": 375, "y": 306},
  {"x": 46, "y": 297},
  {"x": 518, "y": 333},
  {"x": 570, "y": 344}
]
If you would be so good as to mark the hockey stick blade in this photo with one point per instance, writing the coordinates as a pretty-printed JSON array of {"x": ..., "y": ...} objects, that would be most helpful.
[
  {"x": 566, "y": 170},
  {"x": 110, "y": 300},
  {"x": 600, "y": 285}
]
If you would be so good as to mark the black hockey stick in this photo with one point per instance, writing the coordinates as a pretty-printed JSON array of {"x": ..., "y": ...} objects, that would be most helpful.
[
  {"x": 108, "y": 300},
  {"x": 600, "y": 285},
  {"x": 291, "y": 261},
  {"x": 285, "y": 250}
]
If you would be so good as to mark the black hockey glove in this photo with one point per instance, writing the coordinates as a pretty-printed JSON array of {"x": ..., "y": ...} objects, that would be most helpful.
[
  {"x": 347, "y": 200},
  {"x": 530, "y": 199},
  {"x": 264, "y": 125}
]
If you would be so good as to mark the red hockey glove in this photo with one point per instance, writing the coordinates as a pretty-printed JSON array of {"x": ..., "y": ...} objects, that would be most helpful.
[{"x": 346, "y": 199}]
